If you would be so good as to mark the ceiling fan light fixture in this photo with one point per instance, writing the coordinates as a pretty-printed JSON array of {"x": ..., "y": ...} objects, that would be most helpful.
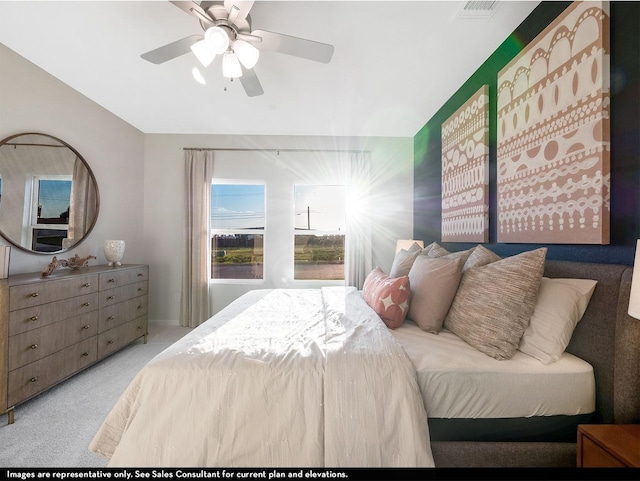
[
  {"x": 202, "y": 52},
  {"x": 217, "y": 39},
  {"x": 247, "y": 53},
  {"x": 231, "y": 65}
]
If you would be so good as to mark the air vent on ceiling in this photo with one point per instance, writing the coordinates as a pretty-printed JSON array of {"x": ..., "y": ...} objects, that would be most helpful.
[{"x": 477, "y": 9}]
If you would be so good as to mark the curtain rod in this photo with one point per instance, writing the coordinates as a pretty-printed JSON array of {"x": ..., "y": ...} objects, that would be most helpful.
[{"x": 274, "y": 150}]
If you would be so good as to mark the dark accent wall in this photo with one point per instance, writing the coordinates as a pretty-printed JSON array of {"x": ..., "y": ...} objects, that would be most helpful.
[{"x": 625, "y": 142}]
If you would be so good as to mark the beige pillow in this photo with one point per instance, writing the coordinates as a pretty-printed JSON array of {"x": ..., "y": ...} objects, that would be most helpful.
[
  {"x": 436, "y": 250},
  {"x": 433, "y": 283},
  {"x": 560, "y": 306},
  {"x": 495, "y": 302},
  {"x": 403, "y": 261},
  {"x": 481, "y": 256}
]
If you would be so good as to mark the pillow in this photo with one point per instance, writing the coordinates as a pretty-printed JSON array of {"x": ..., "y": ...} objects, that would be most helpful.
[
  {"x": 433, "y": 283},
  {"x": 560, "y": 306},
  {"x": 426, "y": 249},
  {"x": 481, "y": 256},
  {"x": 388, "y": 296},
  {"x": 403, "y": 261},
  {"x": 495, "y": 302},
  {"x": 436, "y": 250}
]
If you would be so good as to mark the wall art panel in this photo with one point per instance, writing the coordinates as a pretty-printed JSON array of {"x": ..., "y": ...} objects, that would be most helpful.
[
  {"x": 553, "y": 139},
  {"x": 465, "y": 171}
]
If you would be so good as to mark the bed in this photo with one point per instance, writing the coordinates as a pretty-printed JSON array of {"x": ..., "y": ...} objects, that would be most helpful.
[{"x": 312, "y": 378}]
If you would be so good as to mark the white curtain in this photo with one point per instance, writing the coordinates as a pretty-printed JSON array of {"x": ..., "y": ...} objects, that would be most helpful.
[
  {"x": 82, "y": 209},
  {"x": 358, "y": 255},
  {"x": 194, "y": 301}
]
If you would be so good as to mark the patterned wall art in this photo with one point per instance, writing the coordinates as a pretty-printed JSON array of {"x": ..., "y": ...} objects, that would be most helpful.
[
  {"x": 553, "y": 140},
  {"x": 465, "y": 171}
]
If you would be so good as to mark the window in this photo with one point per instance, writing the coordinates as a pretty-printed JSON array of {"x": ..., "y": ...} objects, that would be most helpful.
[
  {"x": 237, "y": 230},
  {"x": 50, "y": 205},
  {"x": 319, "y": 237}
]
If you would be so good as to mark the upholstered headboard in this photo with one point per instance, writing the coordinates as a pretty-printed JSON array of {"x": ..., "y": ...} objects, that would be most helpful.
[{"x": 608, "y": 338}]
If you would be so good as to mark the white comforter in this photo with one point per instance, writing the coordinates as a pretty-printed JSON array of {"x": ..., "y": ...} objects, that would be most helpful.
[{"x": 299, "y": 378}]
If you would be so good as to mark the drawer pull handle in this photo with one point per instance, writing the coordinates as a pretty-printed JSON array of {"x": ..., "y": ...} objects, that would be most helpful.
[
  {"x": 33, "y": 379},
  {"x": 34, "y": 294},
  {"x": 139, "y": 327},
  {"x": 34, "y": 346},
  {"x": 140, "y": 307},
  {"x": 140, "y": 289},
  {"x": 109, "y": 341},
  {"x": 85, "y": 354},
  {"x": 87, "y": 285},
  {"x": 111, "y": 297},
  {"x": 111, "y": 280},
  {"x": 110, "y": 318},
  {"x": 33, "y": 318},
  {"x": 140, "y": 274},
  {"x": 85, "y": 327},
  {"x": 86, "y": 304}
]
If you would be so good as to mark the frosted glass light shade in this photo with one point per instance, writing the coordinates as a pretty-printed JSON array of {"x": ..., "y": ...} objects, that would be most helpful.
[
  {"x": 202, "y": 52},
  {"x": 247, "y": 53},
  {"x": 216, "y": 39},
  {"x": 634, "y": 300},
  {"x": 231, "y": 66}
]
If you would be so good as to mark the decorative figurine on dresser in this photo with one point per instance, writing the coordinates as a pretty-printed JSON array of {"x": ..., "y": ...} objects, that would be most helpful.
[{"x": 55, "y": 325}]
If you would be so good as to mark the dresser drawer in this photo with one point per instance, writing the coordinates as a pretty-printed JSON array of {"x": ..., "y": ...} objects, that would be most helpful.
[
  {"x": 38, "y": 343},
  {"x": 117, "y": 277},
  {"x": 29, "y": 380},
  {"x": 37, "y": 293},
  {"x": 122, "y": 312},
  {"x": 121, "y": 294},
  {"x": 39, "y": 316},
  {"x": 114, "y": 339}
]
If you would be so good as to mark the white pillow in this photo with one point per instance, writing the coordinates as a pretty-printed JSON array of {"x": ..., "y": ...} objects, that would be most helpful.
[{"x": 560, "y": 306}]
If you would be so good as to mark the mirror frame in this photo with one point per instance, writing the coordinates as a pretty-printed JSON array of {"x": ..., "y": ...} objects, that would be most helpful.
[{"x": 8, "y": 140}]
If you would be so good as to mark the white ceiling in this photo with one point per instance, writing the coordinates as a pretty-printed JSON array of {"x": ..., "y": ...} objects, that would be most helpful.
[{"x": 395, "y": 63}]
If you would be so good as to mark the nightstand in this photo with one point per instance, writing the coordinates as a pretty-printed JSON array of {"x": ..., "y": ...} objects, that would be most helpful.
[{"x": 608, "y": 445}]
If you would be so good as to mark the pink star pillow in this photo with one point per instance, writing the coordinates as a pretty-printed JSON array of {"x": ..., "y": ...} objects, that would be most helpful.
[{"x": 388, "y": 296}]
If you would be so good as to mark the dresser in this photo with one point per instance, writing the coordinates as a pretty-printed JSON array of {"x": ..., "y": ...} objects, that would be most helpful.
[
  {"x": 608, "y": 445},
  {"x": 53, "y": 327}
]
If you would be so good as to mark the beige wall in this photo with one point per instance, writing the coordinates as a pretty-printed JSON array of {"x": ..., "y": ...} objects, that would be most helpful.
[
  {"x": 392, "y": 212},
  {"x": 31, "y": 100},
  {"x": 141, "y": 181}
]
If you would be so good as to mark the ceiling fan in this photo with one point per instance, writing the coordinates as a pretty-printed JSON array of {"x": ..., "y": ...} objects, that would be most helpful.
[{"x": 227, "y": 32}]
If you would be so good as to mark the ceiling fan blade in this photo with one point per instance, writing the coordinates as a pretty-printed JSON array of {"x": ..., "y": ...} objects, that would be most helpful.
[
  {"x": 243, "y": 8},
  {"x": 250, "y": 82},
  {"x": 298, "y": 47},
  {"x": 194, "y": 10},
  {"x": 171, "y": 50}
]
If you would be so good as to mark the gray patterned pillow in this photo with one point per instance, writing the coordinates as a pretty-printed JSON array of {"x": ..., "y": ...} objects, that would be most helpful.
[{"x": 495, "y": 302}]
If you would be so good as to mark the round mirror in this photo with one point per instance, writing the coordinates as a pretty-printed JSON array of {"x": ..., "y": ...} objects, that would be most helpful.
[{"x": 48, "y": 195}]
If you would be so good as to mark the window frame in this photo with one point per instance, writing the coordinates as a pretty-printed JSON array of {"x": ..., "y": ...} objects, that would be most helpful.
[{"x": 33, "y": 204}]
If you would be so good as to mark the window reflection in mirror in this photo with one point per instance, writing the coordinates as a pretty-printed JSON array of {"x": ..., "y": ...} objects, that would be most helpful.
[{"x": 49, "y": 197}]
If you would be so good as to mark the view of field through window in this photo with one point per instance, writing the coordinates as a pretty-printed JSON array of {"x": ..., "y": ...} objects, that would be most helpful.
[
  {"x": 237, "y": 226},
  {"x": 319, "y": 232},
  {"x": 238, "y": 231}
]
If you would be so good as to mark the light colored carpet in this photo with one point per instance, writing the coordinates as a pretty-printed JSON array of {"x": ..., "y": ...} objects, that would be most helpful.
[{"x": 54, "y": 429}]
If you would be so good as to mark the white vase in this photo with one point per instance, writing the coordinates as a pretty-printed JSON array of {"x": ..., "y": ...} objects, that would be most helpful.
[{"x": 114, "y": 251}]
